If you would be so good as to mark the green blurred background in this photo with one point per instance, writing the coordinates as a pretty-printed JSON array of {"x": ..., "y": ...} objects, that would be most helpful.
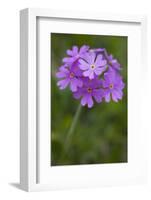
[{"x": 100, "y": 135}]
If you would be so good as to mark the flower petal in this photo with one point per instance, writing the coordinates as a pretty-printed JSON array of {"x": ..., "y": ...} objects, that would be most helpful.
[
  {"x": 118, "y": 94},
  {"x": 114, "y": 97},
  {"x": 92, "y": 57},
  {"x": 60, "y": 75},
  {"x": 89, "y": 73},
  {"x": 75, "y": 50},
  {"x": 97, "y": 94},
  {"x": 99, "y": 70},
  {"x": 63, "y": 69},
  {"x": 98, "y": 59},
  {"x": 89, "y": 101},
  {"x": 75, "y": 83},
  {"x": 73, "y": 86},
  {"x": 68, "y": 60},
  {"x": 107, "y": 97},
  {"x": 110, "y": 57},
  {"x": 80, "y": 82},
  {"x": 105, "y": 83},
  {"x": 69, "y": 52},
  {"x": 103, "y": 63},
  {"x": 77, "y": 94},
  {"x": 91, "y": 76},
  {"x": 83, "y": 65},
  {"x": 89, "y": 57},
  {"x": 83, "y": 49},
  {"x": 99, "y": 62},
  {"x": 84, "y": 100},
  {"x": 63, "y": 83}
]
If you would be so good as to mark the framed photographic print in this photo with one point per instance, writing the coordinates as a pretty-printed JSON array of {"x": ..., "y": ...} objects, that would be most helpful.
[{"x": 81, "y": 98}]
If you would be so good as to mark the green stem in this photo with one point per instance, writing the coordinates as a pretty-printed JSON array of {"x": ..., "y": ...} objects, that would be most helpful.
[
  {"x": 70, "y": 132},
  {"x": 72, "y": 127}
]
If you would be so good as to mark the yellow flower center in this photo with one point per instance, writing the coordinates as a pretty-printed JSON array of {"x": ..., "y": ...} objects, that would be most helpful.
[
  {"x": 71, "y": 75},
  {"x": 92, "y": 66},
  {"x": 111, "y": 86},
  {"x": 89, "y": 90}
]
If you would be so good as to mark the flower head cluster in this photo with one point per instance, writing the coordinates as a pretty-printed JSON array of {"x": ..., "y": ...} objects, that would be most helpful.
[{"x": 92, "y": 75}]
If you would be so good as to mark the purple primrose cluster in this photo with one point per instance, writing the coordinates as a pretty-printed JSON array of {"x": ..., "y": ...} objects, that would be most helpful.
[{"x": 92, "y": 75}]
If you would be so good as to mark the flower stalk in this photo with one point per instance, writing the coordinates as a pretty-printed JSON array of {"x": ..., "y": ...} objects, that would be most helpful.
[{"x": 72, "y": 127}]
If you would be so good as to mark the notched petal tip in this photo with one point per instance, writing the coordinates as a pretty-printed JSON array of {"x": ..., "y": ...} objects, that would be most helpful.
[{"x": 90, "y": 105}]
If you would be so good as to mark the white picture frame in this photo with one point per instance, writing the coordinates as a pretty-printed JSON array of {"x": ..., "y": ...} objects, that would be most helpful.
[{"x": 31, "y": 167}]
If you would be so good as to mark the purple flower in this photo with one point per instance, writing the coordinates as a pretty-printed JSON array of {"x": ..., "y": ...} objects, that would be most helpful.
[
  {"x": 92, "y": 65},
  {"x": 81, "y": 72},
  {"x": 75, "y": 53},
  {"x": 113, "y": 85},
  {"x": 69, "y": 75},
  {"x": 91, "y": 89},
  {"x": 113, "y": 63}
]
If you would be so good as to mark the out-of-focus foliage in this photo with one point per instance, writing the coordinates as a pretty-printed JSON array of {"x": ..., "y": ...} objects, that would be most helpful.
[{"x": 100, "y": 135}]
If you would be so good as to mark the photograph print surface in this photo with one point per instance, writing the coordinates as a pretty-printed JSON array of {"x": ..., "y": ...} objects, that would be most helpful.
[{"x": 88, "y": 99}]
